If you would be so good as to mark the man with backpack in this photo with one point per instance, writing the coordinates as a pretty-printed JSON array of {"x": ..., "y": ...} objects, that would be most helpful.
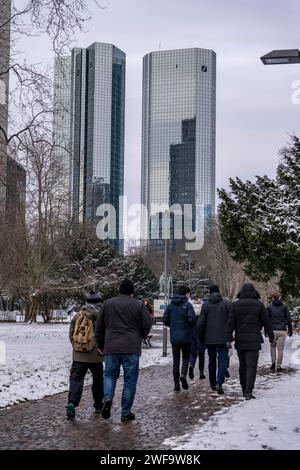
[
  {"x": 180, "y": 317},
  {"x": 85, "y": 354},
  {"x": 120, "y": 329}
]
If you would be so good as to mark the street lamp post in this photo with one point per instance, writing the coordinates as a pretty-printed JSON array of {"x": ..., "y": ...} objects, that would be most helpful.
[
  {"x": 166, "y": 286},
  {"x": 188, "y": 256},
  {"x": 281, "y": 57}
]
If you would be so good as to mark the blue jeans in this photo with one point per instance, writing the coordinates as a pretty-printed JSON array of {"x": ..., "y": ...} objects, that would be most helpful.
[
  {"x": 215, "y": 351},
  {"x": 130, "y": 365}
]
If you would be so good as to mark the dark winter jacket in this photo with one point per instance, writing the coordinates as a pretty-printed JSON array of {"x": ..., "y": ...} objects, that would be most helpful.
[
  {"x": 122, "y": 325},
  {"x": 246, "y": 318},
  {"x": 213, "y": 320},
  {"x": 92, "y": 312},
  {"x": 279, "y": 316},
  {"x": 180, "y": 317}
]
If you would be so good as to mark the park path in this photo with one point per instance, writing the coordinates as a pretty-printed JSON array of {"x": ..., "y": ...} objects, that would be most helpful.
[{"x": 160, "y": 414}]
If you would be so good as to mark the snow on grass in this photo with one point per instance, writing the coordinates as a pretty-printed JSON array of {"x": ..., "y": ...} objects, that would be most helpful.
[
  {"x": 271, "y": 421},
  {"x": 38, "y": 360}
]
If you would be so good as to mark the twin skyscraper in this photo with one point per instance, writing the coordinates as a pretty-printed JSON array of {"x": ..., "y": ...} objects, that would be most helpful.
[{"x": 178, "y": 131}]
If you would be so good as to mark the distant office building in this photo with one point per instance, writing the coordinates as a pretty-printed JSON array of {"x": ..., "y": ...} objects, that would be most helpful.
[
  {"x": 5, "y": 12},
  {"x": 178, "y": 133},
  {"x": 4, "y": 65},
  {"x": 61, "y": 131},
  {"x": 97, "y": 131},
  {"x": 15, "y": 191}
]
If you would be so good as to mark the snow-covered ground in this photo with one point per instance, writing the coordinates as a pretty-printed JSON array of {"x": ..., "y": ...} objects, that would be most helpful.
[
  {"x": 272, "y": 421},
  {"x": 38, "y": 359}
]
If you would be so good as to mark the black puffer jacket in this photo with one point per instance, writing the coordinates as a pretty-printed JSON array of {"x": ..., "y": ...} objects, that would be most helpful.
[
  {"x": 213, "y": 320},
  {"x": 279, "y": 316},
  {"x": 247, "y": 317}
]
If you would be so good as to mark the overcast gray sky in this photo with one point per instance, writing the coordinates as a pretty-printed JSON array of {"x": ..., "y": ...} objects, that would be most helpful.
[{"x": 254, "y": 107}]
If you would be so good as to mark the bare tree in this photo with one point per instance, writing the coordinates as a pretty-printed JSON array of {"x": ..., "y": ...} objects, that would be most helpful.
[{"x": 31, "y": 250}]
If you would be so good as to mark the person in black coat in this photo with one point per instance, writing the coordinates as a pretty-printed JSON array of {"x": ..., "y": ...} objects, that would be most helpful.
[
  {"x": 122, "y": 325},
  {"x": 247, "y": 318},
  {"x": 212, "y": 332},
  {"x": 180, "y": 317},
  {"x": 281, "y": 322},
  {"x": 197, "y": 348}
]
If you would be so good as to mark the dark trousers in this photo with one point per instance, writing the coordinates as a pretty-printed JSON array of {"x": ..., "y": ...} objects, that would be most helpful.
[
  {"x": 248, "y": 367},
  {"x": 197, "y": 350},
  {"x": 220, "y": 352},
  {"x": 177, "y": 349},
  {"x": 77, "y": 376}
]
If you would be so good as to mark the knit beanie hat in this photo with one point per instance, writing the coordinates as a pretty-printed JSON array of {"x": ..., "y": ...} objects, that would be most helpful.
[
  {"x": 214, "y": 288},
  {"x": 93, "y": 298}
]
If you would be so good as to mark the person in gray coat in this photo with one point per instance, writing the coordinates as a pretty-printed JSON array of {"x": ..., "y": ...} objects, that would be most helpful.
[
  {"x": 281, "y": 321},
  {"x": 120, "y": 329},
  {"x": 84, "y": 361}
]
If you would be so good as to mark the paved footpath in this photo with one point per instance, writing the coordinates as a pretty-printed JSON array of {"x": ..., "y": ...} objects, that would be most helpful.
[{"x": 160, "y": 412}]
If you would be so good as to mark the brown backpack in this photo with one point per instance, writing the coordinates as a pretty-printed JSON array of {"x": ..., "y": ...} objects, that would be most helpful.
[{"x": 83, "y": 338}]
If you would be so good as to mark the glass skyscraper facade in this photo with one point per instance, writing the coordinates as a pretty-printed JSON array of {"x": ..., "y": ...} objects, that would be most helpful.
[
  {"x": 5, "y": 13},
  {"x": 178, "y": 131},
  {"x": 97, "y": 131},
  {"x": 61, "y": 130}
]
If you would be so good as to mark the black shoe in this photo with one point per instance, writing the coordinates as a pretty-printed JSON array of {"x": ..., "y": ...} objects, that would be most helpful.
[
  {"x": 129, "y": 417},
  {"x": 227, "y": 375},
  {"x": 106, "y": 409},
  {"x": 202, "y": 376},
  {"x": 252, "y": 396},
  {"x": 184, "y": 383},
  {"x": 98, "y": 409},
  {"x": 70, "y": 410},
  {"x": 191, "y": 372},
  {"x": 248, "y": 396},
  {"x": 273, "y": 366},
  {"x": 177, "y": 387},
  {"x": 279, "y": 369},
  {"x": 220, "y": 390},
  {"x": 244, "y": 394},
  {"x": 213, "y": 387}
]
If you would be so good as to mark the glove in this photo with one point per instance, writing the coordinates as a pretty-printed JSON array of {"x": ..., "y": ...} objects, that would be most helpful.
[{"x": 228, "y": 344}]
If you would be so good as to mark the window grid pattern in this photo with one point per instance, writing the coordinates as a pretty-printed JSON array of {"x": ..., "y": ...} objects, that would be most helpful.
[
  {"x": 99, "y": 114},
  {"x": 178, "y": 85}
]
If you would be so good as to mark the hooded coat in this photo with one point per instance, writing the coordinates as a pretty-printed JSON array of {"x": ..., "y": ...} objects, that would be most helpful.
[
  {"x": 180, "y": 317},
  {"x": 247, "y": 317},
  {"x": 213, "y": 319},
  {"x": 92, "y": 312}
]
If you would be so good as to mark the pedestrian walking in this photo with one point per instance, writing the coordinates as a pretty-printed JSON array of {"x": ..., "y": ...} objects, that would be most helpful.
[
  {"x": 85, "y": 354},
  {"x": 180, "y": 317},
  {"x": 122, "y": 325},
  {"x": 246, "y": 319},
  {"x": 197, "y": 347},
  {"x": 212, "y": 331},
  {"x": 149, "y": 307},
  {"x": 281, "y": 321}
]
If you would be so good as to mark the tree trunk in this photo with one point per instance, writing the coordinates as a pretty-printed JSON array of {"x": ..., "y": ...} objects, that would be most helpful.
[{"x": 32, "y": 310}]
